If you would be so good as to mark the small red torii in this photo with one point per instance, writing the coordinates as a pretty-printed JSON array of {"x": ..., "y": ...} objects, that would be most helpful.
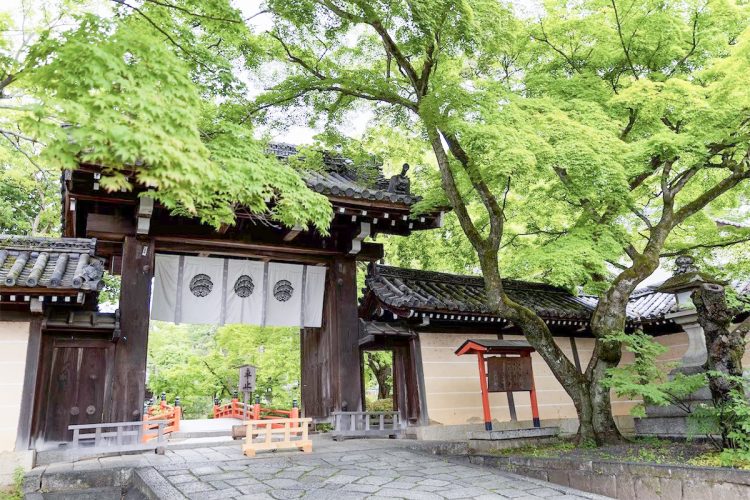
[{"x": 506, "y": 374}]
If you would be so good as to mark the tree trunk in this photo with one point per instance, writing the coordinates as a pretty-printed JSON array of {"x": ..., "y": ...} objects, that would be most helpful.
[
  {"x": 591, "y": 408},
  {"x": 725, "y": 350},
  {"x": 382, "y": 373},
  {"x": 609, "y": 317},
  {"x": 592, "y": 402}
]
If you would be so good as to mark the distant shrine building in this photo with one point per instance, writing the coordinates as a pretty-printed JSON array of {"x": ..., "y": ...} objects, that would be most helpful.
[{"x": 65, "y": 363}]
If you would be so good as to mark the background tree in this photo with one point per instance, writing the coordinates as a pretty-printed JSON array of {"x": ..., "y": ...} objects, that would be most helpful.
[
  {"x": 606, "y": 139},
  {"x": 726, "y": 347},
  {"x": 379, "y": 369},
  {"x": 199, "y": 363}
]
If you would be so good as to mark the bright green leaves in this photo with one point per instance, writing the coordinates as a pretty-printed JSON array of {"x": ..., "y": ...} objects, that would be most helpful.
[
  {"x": 112, "y": 93},
  {"x": 645, "y": 376}
]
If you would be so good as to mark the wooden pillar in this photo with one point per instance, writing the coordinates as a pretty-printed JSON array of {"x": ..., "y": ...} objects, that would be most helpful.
[
  {"x": 130, "y": 354},
  {"x": 33, "y": 349},
  {"x": 485, "y": 392},
  {"x": 362, "y": 388},
  {"x": 415, "y": 365},
  {"x": 401, "y": 387},
  {"x": 532, "y": 394},
  {"x": 311, "y": 374},
  {"x": 330, "y": 355}
]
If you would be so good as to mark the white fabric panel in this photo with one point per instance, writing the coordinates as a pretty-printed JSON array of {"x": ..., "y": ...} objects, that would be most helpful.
[
  {"x": 164, "y": 299},
  {"x": 242, "y": 276},
  {"x": 202, "y": 283},
  {"x": 315, "y": 286},
  {"x": 281, "y": 312}
]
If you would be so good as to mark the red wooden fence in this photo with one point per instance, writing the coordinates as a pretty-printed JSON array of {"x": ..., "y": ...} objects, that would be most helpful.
[
  {"x": 162, "y": 411},
  {"x": 238, "y": 409}
]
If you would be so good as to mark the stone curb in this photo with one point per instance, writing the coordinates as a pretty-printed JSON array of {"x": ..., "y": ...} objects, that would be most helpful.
[
  {"x": 154, "y": 486},
  {"x": 51, "y": 480}
]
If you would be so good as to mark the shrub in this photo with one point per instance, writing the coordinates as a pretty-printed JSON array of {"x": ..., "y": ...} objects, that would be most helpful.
[{"x": 380, "y": 405}]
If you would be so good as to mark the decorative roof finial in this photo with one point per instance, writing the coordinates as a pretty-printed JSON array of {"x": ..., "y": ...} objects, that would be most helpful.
[{"x": 400, "y": 183}]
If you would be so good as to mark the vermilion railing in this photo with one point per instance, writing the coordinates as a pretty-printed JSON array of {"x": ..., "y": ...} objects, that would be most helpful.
[
  {"x": 161, "y": 412},
  {"x": 237, "y": 409}
]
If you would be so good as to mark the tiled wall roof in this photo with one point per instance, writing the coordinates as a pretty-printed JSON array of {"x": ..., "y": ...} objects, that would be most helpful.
[
  {"x": 53, "y": 263},
  {"x": 428, "y": 291}
]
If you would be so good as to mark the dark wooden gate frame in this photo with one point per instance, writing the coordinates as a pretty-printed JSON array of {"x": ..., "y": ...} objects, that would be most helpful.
[
  {"x": 131, "y": 227},
  {"x": 408, "y": 375}
]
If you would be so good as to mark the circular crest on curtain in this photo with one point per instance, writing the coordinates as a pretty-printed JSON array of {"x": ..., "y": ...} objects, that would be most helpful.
[
  {"x": 283, "y": 290},
  {"x": 201, "y": 285},
  {"x": 244, "y": 286}
]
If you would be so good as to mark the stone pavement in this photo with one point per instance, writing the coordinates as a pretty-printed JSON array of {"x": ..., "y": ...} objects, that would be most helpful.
[{"x": 343, "y": 470}]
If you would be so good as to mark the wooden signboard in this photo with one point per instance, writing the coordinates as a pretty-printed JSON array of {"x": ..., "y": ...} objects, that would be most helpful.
[
  {"x": 509, "y": 374},
  {"x": 247, "y": 379}
]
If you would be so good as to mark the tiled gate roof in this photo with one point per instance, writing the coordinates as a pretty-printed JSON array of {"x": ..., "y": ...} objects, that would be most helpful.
[{"x": 340, "y": 177}]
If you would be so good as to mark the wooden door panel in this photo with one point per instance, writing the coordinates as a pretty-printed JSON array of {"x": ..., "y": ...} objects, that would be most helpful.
[{"x": 74, "y": 386}]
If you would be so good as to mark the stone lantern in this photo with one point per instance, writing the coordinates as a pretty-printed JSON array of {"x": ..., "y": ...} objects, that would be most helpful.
[
  {"x": 685, "y": 280},
  {"x": 671, "y": 420}
]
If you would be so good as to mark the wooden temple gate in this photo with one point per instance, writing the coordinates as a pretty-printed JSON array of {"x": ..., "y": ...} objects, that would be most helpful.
[{"x": 131, "y": 230}]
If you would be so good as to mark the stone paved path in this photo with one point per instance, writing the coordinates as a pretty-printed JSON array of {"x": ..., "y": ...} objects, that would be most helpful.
[{"x": 349, "y": 470}]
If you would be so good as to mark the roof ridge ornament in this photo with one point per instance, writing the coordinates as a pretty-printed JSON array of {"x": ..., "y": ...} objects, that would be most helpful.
[
  {"x": 43, "y": 244},
  {"x": 685, "y": 264}
]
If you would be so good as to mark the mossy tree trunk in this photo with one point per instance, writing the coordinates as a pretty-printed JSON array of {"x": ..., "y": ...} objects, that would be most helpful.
[{"x": 725, "y": 348}]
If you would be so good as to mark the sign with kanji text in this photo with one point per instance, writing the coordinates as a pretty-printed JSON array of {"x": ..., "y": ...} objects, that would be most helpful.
[
  {"x": 247, "y": 379},
  {"x": 509, "y": 374}
]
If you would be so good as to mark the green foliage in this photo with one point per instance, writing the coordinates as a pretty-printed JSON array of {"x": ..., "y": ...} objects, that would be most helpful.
[
  {"x": 149, "y": 114},
  {"x": 15, "y": 490},
  {"x": 735, "y": 416},
  {"x": 380, "y": 404},
  {"x": 645, "y": 378},
  {"x": 110, "y": 293},
  {"x": 378, "y": 370},
  {"x": 29, "y": 198},
  {"x": 549, "y": 450},
  {"x": 198, "y": 363}
]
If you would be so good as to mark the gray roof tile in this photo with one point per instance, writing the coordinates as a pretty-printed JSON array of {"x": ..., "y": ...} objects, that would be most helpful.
[
  {"x": 54, "y": 263},
  {"x": 341, "y": 178},
  {"x": 428, "y": 291}
]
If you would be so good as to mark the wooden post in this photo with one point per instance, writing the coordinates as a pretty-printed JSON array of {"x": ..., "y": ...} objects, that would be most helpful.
[
  {"x": 485, "y": 392},
  {"x": 330, "y": 356},
  {"x": 534, "y": 405},
  {"x": 33, "y": 348},
  {"x": 130, "y": 354}
]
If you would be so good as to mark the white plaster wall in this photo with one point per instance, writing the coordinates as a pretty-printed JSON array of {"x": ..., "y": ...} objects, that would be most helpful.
[
  {"x": 452, "y": 382},
  {"x": 14, "y": 338}
]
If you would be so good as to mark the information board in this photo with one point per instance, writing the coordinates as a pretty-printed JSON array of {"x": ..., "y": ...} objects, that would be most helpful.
[{"x": 509, "y": 374}]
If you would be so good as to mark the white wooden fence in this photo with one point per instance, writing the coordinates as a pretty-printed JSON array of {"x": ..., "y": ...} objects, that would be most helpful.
[{"x": 362, "y": 424}]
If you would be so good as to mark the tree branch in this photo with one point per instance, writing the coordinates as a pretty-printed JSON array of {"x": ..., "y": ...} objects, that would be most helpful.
[
  {"x": 194, "y": 14},
  {"x": 451, "y": 190},
  {"x": 625, "y": 49},
  {"x": 718, "y": 244},
  {"x": 489, "y": 200},
  {"x": 710, "y": 195},
  {"x": 693, "y": 46},
  {"x": 161, "y": 30}
]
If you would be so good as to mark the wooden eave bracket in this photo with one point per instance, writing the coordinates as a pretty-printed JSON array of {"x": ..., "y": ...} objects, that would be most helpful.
[
  {"x": 293, "y": 233},
  {"x": 365, "y": 228},
  {"x": 145, "y": 210}
]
